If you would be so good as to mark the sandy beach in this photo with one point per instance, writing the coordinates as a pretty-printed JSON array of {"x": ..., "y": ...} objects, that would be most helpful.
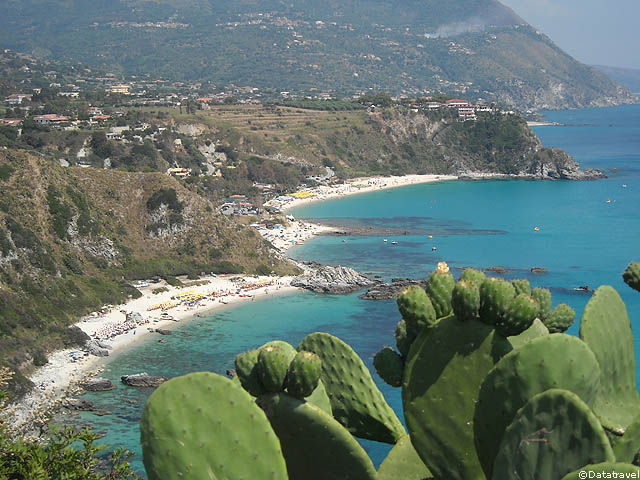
[{"x": 66, "y": 369}]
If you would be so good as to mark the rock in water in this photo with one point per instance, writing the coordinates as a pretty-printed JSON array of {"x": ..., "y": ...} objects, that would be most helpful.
[
  {"x": 143, "y": 380},
  {"x": 98, "y": 384},
  {"x": 331, "y": 279}
]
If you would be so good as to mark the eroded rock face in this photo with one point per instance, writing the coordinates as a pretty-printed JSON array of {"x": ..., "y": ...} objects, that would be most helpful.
[
  {"x": 386, "y": 291},
  {"x": 143, "y": 380},
  {"x": 97, "y": 348},
  {"x": 331, "y": 279}
]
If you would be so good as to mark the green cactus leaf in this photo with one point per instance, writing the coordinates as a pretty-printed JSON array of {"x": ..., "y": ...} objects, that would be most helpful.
[
  {"x": 356, "y": 401},
  {"x": 403, "y": 463},
  {"x": 550, "y": 361},
  {"x": 315, "y": 446},
  {"x": 519, "y": 316},
  {"x": 441, "y": 383},
  {"x": 288, "y": 349},
  {"x": 465, "y": 300},
  {"x": 521, "y": 285},
  {"x": 203, "y": 426},
  {"x": 605, "y": 468},
  {"x": 303, "y": 375},
  {"x": 320, "y": 398},
  {"x": 404, "y": 338},
  {"x": 496, "y": 295},
  {"x": 439, "y": 288},
  {"x": 560, "y": 318},
  {"x": 247, "y": 372},
  {"x": 551, "y": 436},
  {"x": 537, "y": 329},
  {"x": 543, "y": 297},
  {"x": 273, "y": 364},
  {"x": 416, "y": 309},
  {"x": 631, "y": 276},
  {"x": 628, "y": 445},
  {"x": 389, "y": 366},
  {"x": 472, "y": 275},
  {"x": 606, "y": 328}
]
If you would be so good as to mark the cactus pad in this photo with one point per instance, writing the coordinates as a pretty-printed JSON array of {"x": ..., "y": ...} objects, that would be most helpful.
[
  {"x": 560, "y": 319},
  {"x": 286, "y": 348},
  {"x": 304, "y": 374},
  {"x": 519, "y": 316},
  {"x": 439, "y": 288},
  {"x": 631, "y": 276},
  {"x": 273, "y": 364},
  {"x": 356, "y": 401},
  {"x": 495, "y": 296},
  {"x": 628, "y": 445},
  {"x": 521, "y": 285},
  {"x": 389, "y": 366},
  {"x": 320, "y": 398},
  {"x": 606, "y": 468},
  {"x": 315, "y": 446},
  {"x": 416, "y": 308},
  {"x": 472, "y": 275},
  {"x": 465, "y": 300},
  {"x": 606, "y": 328},
  {"x": 551, "y": 436},
  {"x": 404, "y": 338},
  {"x": 403, "y": 462},
  {"x": 551, "y": 361},
  {"x": 247, "y": 372},
  {"x": 537, "y": 329},
  {"x": 441, "y": 383},
  {"x": 202, "y": 426},
  {"x": 543, "y": 297}
]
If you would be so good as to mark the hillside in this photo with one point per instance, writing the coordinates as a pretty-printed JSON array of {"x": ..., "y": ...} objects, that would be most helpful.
[
  {"x": 72, "y": 239},
  {"x": 629, "y": 77},
  {"x": 479, "y": 48}
]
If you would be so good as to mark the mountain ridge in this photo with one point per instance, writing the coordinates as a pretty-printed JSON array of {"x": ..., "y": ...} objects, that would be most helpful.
[{"x": 478, "y": 48}]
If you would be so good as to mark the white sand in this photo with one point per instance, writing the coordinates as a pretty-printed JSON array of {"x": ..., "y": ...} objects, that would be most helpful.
[{"x": 59, "y": 378}]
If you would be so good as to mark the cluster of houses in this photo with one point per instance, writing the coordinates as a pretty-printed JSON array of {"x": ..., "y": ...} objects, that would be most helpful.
[
  {"x": 239, "y": 205},
  {"x": 466, "y": 110}
]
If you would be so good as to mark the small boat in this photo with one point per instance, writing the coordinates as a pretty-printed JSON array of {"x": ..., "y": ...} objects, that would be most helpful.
[
  {"x": 434, "y": 248},
  {"x": 385, "y": 240},
  {"x": 430, "y": 236},
  {"x": 608, "y": 201},
  {"x": 165, "y": 316},
  {"x": 624, "y": 185},
  {"x": 536, "y": 229},
  {"x": 394, "y": 243}
]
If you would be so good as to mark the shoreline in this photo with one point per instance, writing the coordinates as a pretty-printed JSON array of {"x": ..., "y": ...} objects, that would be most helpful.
[{"x": 61, "y": 377}]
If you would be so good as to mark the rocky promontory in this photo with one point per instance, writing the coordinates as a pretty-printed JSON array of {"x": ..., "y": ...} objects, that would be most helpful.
[
  {"x": 331, "y": 279},
  {"x": 143, "y": 380}
]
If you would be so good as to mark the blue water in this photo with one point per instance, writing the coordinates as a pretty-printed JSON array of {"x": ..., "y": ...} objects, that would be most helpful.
[{"x": 582, "y": 240}]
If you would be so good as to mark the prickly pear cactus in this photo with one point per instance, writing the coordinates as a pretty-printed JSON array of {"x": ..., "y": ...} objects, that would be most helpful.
[
  {"x": 440, "y": 389},
  {"x": 631, "y": 276},
  {"x": 404, "y": 338},
  {"x": 288, "y": 349},
  {"x": 247, "y": 372},
  {"x": 416, "y": 308},
  {"x": 551, "y": 436},
  {"x": 519, "y": 316},
  {"x": 439, "y": 288},
  {"x": 389, "y": 366},
  {"x": 605, "y": 468},
  {"x": 203, "y": 426},
  {"x": 628, "y": 445},
  {"x": 543, "y": 297},
  {"x": 403, "y": 463},
  {"x": 356, "y": 401},
  {"x": 303, "y": 375},
  {"x": 606, "y": 328},
  {"x": 537, "y": 329},
  {"x": 315, "y": 446},
  {"x": 551, "y": 361},
  {"x": 273, "y": 364},
  {"x": 560, "y": 319},
  {"x": 465, "y": 300},
  {"x": 521, "y": 285},
  {"x": 495, "y": 297},
  {"x": 472, "y": 275}
]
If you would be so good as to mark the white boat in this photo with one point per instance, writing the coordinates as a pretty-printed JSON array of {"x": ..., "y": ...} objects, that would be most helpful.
[
  {"x": 385, "y": 240},
  {"x": 394, "y": 243}
]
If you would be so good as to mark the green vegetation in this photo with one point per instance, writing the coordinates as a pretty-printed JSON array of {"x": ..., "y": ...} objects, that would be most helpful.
[
  {"x": 491, "y": 395},
  {"x": 67, "y": 246}
]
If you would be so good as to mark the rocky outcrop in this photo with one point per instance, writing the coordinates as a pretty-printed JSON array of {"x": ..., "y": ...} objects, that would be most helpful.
[
  {"x": 163, "y": 331},
  {"x": 78, "y": 404},
  {"x": 143, "y": 380},
  {"x": 331, "y": 279},
  {"x": 386, "y": 291},
  {"x": 97, "y": 348},
  {"x": 555, "y": 164},
  {"x": 98, "y": 384}
]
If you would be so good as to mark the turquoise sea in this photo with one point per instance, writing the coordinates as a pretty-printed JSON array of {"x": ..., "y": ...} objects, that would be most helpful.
[{"x": 588, "y": 232}]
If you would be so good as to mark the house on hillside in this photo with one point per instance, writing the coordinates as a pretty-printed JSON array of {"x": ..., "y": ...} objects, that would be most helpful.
[
  {"x": 17, "y": 98},
  {"x": 120, "y": 88},
  {"x": 457, "y": 102},
  {"x": 50, "y": 119}
]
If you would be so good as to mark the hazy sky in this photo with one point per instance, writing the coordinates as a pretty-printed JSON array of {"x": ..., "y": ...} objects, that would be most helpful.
[{"x": 602, "y": 32}]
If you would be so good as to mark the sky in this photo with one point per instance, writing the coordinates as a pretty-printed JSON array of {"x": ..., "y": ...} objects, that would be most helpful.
[{"x": 597, "y": 32}]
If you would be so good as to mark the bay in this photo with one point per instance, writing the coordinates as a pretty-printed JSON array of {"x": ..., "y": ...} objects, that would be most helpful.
[{"x": 588, "y": 232}]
